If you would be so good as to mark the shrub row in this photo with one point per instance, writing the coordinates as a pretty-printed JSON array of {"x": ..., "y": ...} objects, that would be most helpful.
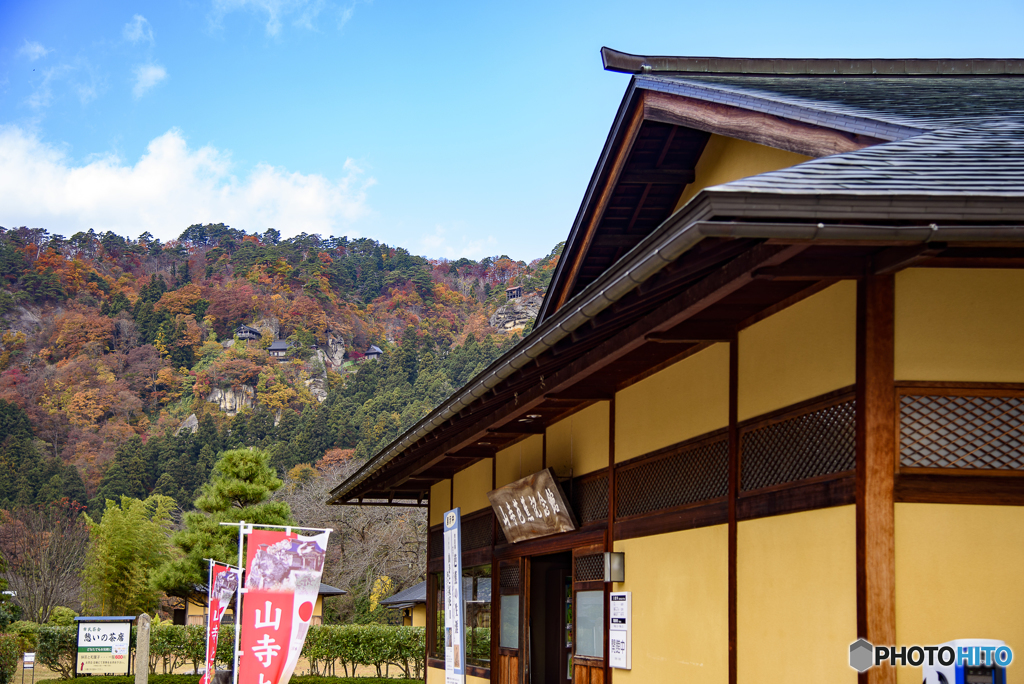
[{"x": 172, "y": 646}]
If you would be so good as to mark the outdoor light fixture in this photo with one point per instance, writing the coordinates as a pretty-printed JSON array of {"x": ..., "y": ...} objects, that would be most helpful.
[{"x": 614, "y": 566}]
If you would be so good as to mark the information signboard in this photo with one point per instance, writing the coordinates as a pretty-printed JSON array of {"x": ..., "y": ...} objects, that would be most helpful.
[
  {"x": 454, "y": 608},
  {"x": 29, "y": 661},
  {"x": 620, "y": 628},
  {"x": 103, "y": 646}
]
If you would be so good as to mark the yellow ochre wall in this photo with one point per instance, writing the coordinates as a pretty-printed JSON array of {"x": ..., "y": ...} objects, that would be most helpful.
[
  {"x": 963, "y": 325},
  {"x": 958, "y": 577},
  {"x": 728, "y": 159},
  {"x": 419, "y": 615},
  {"x": 680, "y": 591},
  {"x": 436, "y": 676},
  {"x": 685, "y": 400},
  {"x": 796, "y": 601},
  {"x": 519, "y": 460},
  {"x": 440, "y": 500},
  {"x": 801, "y": 352},
  {"x": 578, "y": 444},
  {"x": 471, "y": 486}
]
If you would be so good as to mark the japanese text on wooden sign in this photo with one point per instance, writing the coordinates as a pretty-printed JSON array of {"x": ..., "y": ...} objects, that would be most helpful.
[{"x": 534, "y": 506}]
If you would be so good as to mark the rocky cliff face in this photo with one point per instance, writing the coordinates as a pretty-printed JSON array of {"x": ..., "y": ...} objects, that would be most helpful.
[
  {"x": 517, "y": 314},
  {"x": 232, "y": 401},
  {"x": 333, "y": 352}
]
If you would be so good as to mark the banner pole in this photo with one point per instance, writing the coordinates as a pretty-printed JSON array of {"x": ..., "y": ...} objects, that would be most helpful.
[
  {"x": 207, "y": 677},
  {"x": 238, "y": 601}
]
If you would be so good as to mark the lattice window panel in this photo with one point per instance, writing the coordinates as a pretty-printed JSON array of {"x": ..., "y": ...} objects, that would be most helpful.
[
  {"x": 477, "y": 533},
  {"x": 590, "y": 499},
  {"x": 509, "y": 579},
  {"x": 821, "y": 442},
  {"x": 984, "y": 433},
  {"x": 685, "y": 477},
  {"x": 499, "y": 536},
  {"x": 589, "y": 568},
  {"x": 435, "y": 544}
]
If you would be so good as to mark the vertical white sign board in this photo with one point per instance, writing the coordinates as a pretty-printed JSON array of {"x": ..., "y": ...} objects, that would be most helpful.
[
  {"x": 454, "y": 608},
  {"x": 620, "y": 630}
]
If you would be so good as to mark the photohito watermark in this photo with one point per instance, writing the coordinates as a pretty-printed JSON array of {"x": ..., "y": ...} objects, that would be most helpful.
[{"x": 864, "y": 655}]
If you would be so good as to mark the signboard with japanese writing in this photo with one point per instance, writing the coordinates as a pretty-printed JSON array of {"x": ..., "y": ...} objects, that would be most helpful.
[
  {"x": 620, "y": 629},
  {"x": 103, "y": 647},
  {"x": 534, "y": 506},
  {"x": 454, "y": 608},
  {"x": 282, "y": 581},
  {"x": 223, "y": 584}
]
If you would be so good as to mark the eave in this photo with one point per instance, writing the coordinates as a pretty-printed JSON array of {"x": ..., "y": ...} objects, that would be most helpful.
[{"x": 713, "y": 268}]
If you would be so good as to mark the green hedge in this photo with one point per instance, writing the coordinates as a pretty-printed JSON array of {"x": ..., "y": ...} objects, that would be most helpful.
[
  {"x": 9, "y": 657},
  {"x": 380, "y": 646}
]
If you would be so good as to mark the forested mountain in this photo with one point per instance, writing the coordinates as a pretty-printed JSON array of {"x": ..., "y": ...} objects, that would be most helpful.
[{"x": 110, "y": 344}]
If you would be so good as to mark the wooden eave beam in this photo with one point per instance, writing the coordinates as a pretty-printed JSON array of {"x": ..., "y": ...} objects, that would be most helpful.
[
  {"x": 615, "y": 168},
  {"x": 832, "y": 269},
  {"x": 895, "y": 259},
  {"x": 715, "y": 287},
  {"x": 764, "y": 129},
  {"x": 658, "y": 176}
]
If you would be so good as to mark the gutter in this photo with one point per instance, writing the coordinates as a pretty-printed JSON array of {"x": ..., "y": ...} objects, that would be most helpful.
[{"x": 677, "y": 235}]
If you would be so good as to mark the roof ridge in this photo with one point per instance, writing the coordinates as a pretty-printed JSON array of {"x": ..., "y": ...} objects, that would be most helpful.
[{"x": 624, "y": 62}]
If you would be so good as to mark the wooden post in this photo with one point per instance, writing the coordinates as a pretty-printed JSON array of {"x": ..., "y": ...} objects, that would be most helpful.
[
  {"x": 734, "y": 488},
  {"x": 876, "y": 469},
  {"x": 142, "y": 649}
]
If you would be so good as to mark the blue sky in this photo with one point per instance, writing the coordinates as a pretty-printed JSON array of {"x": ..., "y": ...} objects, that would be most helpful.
[{"x": 450, "y": 128}]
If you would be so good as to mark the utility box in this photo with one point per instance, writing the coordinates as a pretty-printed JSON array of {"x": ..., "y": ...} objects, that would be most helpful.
[{"x": 959, "y": 672}]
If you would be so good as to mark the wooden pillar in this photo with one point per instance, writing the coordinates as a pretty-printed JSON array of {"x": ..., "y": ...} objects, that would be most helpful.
[
  {"x": 610, "y": 533},
  {"x": 876, "y": 469},
  {"x": 734, "y": 488}
]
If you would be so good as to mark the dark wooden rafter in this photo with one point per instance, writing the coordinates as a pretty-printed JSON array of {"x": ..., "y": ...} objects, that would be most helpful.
[{"x": 757, "y": 127}]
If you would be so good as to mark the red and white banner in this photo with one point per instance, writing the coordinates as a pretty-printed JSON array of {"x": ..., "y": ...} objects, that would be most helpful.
[
  {"x": 282, "y": 582},
  {"x": 223, "y": 584}
]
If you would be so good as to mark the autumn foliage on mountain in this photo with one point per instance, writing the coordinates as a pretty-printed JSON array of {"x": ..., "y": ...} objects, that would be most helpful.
[{"x": 109, "y": 345}]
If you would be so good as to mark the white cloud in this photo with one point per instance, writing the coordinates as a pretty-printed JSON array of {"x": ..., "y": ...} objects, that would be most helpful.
[
  {"x": 441, "y": 243},
  {"x": 301, "y": 12},
  {"x": 147, "y": 76},
  {"x": 169, "y": 188},
  {"x": 33, "y": 50},
  {"x": 79, "y": 76},
  {"x": 138, "y": 29}
]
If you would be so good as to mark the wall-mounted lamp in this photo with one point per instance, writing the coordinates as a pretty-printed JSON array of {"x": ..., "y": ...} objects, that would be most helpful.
[{"x": 614, "y": 566}]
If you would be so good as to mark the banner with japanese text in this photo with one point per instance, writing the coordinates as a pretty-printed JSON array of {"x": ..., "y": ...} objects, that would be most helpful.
[
  {"x": 282, "y": 582},
  {"x": 454, "y": 608},
  {"x": 223, "y": 584}
]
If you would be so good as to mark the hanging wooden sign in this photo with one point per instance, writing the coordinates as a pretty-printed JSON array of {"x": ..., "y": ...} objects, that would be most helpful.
[{"x": 534, "y": 506}]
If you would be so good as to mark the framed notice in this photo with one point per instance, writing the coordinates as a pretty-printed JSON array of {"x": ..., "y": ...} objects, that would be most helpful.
[
  {"x": 454, "y": 608},
  {"x": 103, "y": 645}
]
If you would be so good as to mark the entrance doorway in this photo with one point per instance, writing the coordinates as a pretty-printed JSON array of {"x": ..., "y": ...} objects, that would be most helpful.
[{"x": 550, "y": 627}]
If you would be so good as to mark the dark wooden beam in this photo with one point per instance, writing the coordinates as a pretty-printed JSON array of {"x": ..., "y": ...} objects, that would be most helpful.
[
  {"x": 764, "y": 129},
  {"x": 895, "y": 259},
  {"x": 658, "y": 176},
  {"x": 616, "y": 165},
  {"x": 876, "y": 468},
  {"x": 814, "y": 270},
  {"x": 698, "y": 331}
]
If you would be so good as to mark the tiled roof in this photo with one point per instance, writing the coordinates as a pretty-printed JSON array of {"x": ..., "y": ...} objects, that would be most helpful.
[
  {"x": 414, "y": 594},
  {"x": 984, "y": 160},
  {"x": 887, "y": 107}
]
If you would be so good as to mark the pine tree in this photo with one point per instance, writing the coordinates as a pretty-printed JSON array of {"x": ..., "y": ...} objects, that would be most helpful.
[{"x": 240, "y": 489}]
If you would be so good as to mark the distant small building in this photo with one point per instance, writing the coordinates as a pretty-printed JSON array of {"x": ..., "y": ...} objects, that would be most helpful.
[
  {"x": 244, "y": 332},
  {"x": 413, "y": 604},
  {"x": 374, "y": 352},
  {"x": 279, "y": 348},
  {"x": 514, "y": 292}
]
